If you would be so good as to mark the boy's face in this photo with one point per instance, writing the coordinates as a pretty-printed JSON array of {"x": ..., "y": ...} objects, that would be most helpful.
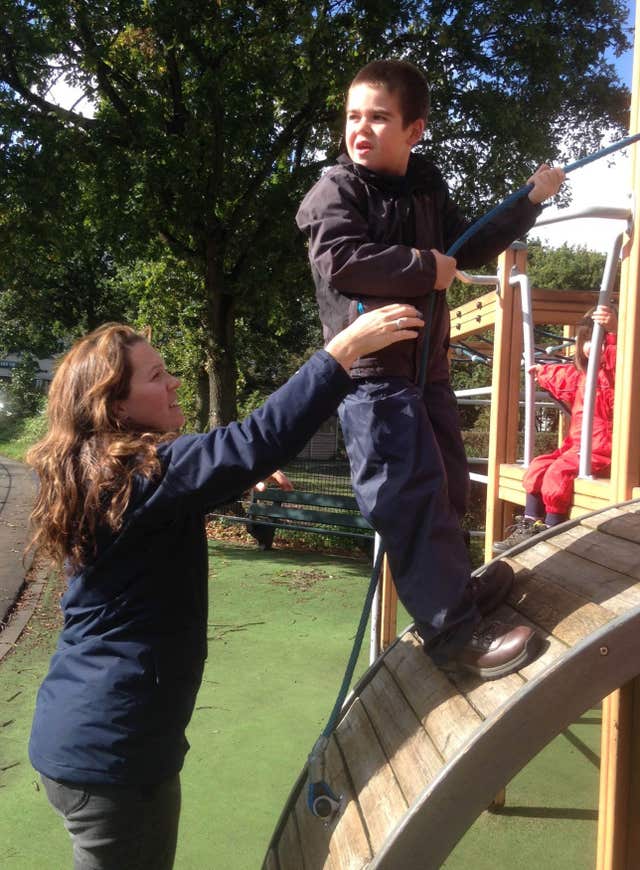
[{"x": 375, "y": 133}]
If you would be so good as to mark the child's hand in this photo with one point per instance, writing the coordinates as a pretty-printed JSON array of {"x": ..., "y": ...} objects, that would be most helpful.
[
  {"x": 606, "y": 316},
  {"x": 535, "y": 370},
  {"x": 445, "y": 270},
  {"x": 546, "y": 182}
]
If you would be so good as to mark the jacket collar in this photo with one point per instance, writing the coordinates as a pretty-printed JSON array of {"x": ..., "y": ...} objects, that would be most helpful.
[{"x": 420, "y": 175}]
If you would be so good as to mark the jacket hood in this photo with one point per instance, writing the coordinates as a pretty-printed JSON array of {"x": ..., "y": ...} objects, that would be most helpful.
[{"x": 422, "y": 176}]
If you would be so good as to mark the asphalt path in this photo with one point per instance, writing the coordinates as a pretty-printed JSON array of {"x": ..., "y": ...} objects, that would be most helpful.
[{"x": 17, "y": 492}]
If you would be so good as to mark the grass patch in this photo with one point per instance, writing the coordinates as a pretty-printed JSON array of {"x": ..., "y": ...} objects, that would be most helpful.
[
  {"x": 281, "y": 627},
  {"x": 18, "y": 435}
]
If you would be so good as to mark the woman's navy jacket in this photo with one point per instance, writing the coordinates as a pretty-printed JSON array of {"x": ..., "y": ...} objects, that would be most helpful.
[{"x": 122, "y": 683}]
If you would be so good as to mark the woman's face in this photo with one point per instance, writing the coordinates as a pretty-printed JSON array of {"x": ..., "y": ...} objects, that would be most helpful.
[{"x": 152, "y": 402}]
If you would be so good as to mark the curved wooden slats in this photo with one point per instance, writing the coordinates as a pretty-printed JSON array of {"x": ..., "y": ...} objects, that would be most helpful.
[{"x": 419, "y": 754}]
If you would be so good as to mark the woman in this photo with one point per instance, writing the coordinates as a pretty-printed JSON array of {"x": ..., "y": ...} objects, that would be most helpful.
[{"x": 121, "y": 507}]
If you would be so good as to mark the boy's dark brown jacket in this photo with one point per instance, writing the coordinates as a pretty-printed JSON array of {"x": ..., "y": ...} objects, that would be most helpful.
[{"x": 370, "y": 241}]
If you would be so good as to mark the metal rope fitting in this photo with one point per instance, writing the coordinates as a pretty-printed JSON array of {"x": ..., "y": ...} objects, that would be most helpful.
[{"x": 322, "y": 801}]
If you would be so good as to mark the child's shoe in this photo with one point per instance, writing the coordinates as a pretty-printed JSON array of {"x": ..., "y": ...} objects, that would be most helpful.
[
  {"x": 496, "y": 650},
  {"x": 523, "y": 529},
  {"x": 490, "y": 587}
]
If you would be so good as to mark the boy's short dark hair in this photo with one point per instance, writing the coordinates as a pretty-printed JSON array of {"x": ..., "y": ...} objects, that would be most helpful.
[{"x": 402, "y": 78}]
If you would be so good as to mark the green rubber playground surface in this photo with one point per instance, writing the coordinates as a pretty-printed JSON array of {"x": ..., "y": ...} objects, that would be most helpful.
[{"x": 281, "y": 627}]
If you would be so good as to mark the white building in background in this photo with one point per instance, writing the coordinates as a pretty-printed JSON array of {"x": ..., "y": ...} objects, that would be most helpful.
[{"x": 43, "y": 378}]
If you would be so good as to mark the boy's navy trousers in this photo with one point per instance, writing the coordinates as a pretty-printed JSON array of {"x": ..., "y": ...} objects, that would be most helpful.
[{"x": 411, "y": 480}]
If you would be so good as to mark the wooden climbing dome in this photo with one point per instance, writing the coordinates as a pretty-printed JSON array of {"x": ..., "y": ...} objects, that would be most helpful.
[{"x": 418, "y": 755}]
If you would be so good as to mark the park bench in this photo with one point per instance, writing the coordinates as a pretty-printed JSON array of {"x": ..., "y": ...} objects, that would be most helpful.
[{"x": 273, "y": 509}]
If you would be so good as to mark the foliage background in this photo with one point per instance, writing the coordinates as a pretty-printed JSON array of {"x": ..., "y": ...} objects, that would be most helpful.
[{"x": 172, "y": 202}]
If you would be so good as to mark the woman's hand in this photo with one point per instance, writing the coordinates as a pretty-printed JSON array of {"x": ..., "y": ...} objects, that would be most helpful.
[
  {"x": 374, "y": 330},
  {"x": 279, "y": 478},
  {"x": 535, "y": 370}
]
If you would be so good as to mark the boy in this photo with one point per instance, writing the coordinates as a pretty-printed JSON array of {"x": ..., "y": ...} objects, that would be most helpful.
[{"x": 377, "y": 223}]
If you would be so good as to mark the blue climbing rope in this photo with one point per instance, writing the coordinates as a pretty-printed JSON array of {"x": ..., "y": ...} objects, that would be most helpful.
[
  {"x": 523, "y": 191},
  {"x": 321, "y": 799}
]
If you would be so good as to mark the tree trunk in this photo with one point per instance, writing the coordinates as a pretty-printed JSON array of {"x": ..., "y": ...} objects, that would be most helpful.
[
  {"x": 202, "y": 401},
  {"x": 220, "y": 336}
]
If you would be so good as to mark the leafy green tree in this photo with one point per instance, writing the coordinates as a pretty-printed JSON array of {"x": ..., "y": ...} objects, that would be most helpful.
[
  {"x": 565, "y": 268},
  {"x": 24, "y": 398},
  {"x": 212, "y": 119},
  {"x": 164, "y": 297},
  {"x": 55, "y": 263}
]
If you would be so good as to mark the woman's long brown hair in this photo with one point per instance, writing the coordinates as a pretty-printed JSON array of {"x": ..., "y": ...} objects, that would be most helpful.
[{"x": 87, "y": 460}]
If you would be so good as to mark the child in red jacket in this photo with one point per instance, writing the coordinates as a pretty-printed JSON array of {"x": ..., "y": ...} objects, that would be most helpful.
[{"x": 548, "y": 481}]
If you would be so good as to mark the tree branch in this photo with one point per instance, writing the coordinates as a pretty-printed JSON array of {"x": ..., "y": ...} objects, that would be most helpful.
[
  {"x": 10, "y": 75},
  {"x": 44, "y": 106},
  {"x": 179, "y": 248},
  {"x": 285, "y": 137},
  {"x": 177, "y": 122},
  {"x": 236, "y": 270},
  {"x": 102, "y": 70}
]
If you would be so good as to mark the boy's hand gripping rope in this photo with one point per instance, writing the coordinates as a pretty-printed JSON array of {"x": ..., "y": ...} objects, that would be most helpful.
[
  {"x": 523, "y": 191},
  {"x": 321, "y": 799}
]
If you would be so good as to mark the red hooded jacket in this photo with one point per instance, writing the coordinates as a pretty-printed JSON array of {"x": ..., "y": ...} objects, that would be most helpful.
[{"x": 567, "y": 383}]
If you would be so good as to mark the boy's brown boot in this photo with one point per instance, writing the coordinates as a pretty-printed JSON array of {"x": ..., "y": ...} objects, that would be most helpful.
[
  {"x": 491, "y": 586},
  {"x": 495, "y": 650}
]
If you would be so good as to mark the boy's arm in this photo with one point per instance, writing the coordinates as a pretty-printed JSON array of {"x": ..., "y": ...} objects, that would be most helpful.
[
  {"x": 507, "y": 225},
  {"x": 341, "y": 250},
  {"x": 494, "y": 237}
]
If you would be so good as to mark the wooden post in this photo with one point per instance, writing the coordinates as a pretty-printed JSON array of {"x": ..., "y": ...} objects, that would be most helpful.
[
  {"x": 625, "y": 456},
  {"x": 388, "y": 624},
  {"x": 505, "y": 407},
  {"x": 619, "y": 807},
  {"x": 633, "y": 829},
  {"x": 507, "y": 347},
  {"x": 619, "y": 816}
]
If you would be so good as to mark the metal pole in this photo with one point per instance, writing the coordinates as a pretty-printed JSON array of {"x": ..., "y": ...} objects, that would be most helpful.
[
  {"x": 374, "y": 641},
  {"x": 529, "y": 360},
  {"x": 604, "y": 298}
]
